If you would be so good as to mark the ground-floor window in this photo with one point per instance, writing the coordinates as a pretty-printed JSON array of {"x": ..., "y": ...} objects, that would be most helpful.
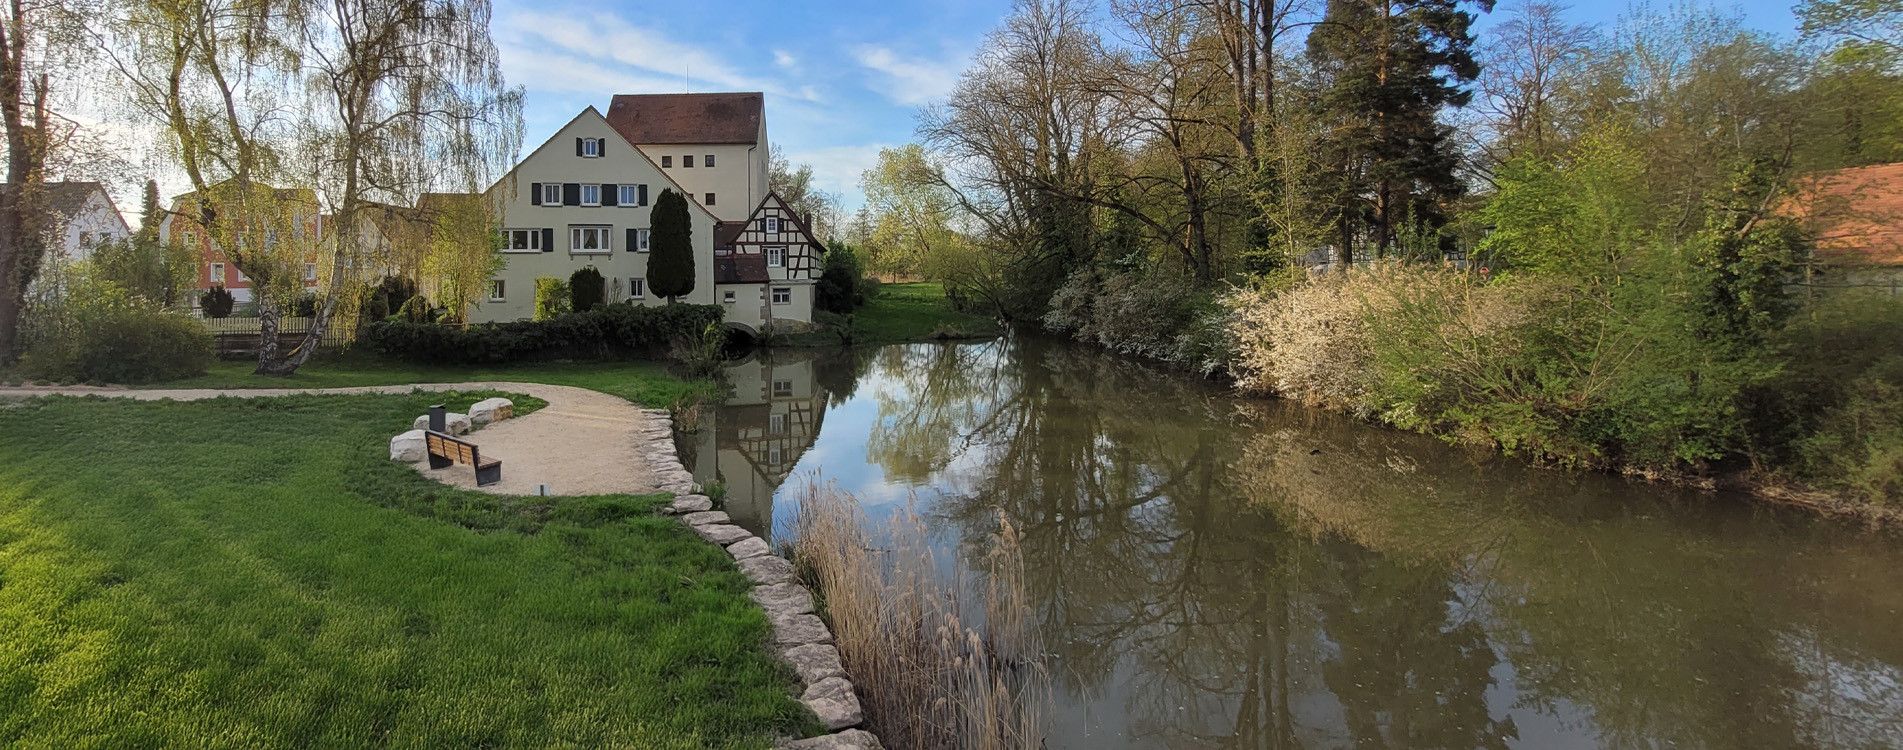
[
  {"x": 496, "y": 290},
  {"x": 637, "y": 287},
  {"x": 310, "y": 271},
  {"x": 782, "y": 296}
]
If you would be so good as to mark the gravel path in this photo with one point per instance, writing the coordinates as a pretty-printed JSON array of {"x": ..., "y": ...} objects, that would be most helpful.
[{"x": 583, "y": 443}]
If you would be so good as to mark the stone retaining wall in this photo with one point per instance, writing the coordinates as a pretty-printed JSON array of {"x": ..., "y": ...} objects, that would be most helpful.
[{"x": 801, "y": 638}]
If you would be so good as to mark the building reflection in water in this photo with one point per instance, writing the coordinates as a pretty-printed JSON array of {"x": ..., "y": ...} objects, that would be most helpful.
[{"x": 754, "y": 438}]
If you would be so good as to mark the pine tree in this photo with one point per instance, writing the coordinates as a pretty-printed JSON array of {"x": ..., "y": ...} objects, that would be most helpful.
[
  {"x": 671, "y": 251},
  {"x": 1388, "y": 69},
  {"x": 150, "y": 215},
  {"x": 586, "y": 289}
]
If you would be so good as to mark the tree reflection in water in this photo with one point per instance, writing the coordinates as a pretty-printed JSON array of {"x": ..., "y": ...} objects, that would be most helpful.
[{"x": 1218, "y": 572}]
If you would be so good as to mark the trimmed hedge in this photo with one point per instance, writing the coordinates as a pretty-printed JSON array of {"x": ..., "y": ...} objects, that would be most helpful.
[{"x": 608, "y": 331}]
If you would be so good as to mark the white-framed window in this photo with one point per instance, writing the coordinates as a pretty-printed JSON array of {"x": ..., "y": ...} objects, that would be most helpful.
[
  {"x": 217, "y": 273},
  {"x": 270, "y": 238},
  {"x": 727, "y": 296},
  {"x": 591, "y": 147},
  {"x": 782, "y": 295},
  {"x": 776, "y": 257},
  {"x": 782, "y": 388},
  {"x": 591, "y": 195},
  {"x": 240, "y": 272},
  {"x": 590, "y": 240},
  {"x": 310, "y": 271},
  {"x": 773, "y": 455},
  {"x": 641, "y": 240},
  {"x": 637, "y": 288},
  {"x": 710, "y": 161},
  {"x": 551, "y": 193},
  {"x": 776, "y": 423},
  {"x": 687, "y": 162},
  {"x": 496, "y": 290},
  {"x": 772, "y": 225},
  {"x": 630, "y": 195},
  {"x": 521, "y": 240},
  {"x": 667, "y": 162},
  {"x": 191, "y": 239}
]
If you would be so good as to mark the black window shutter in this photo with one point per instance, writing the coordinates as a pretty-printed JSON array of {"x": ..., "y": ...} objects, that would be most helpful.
[
  {"x": 578, "y": 147},
  {"x": 632, "y": 236},
  {"x": 643, "y": 190},
  {"x": 571, "y": 193},
  {"x": 611, "y": 195},
  {"x": 535, "y": 194},
  {"x": 548, "y": 240}
]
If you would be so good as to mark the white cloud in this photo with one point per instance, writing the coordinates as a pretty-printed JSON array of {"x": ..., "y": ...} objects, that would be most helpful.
[
  {"x": 785, "y": 60},
  {"x": 837, "y": 169},
  {"x": 909, "y": 82},
  {"x": 610, "y": 54}
]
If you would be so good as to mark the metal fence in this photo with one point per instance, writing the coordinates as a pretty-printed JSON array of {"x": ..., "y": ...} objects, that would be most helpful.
[{"x": 242, "y": 335}]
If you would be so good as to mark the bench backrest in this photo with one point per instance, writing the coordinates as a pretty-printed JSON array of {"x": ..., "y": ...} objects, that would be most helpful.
[{"x": 459, "y": 451}]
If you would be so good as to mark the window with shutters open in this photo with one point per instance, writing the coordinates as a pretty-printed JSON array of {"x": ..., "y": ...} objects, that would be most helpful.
[
  {"x": 522, "y": 240},
  {"x": 629, "y": 195},
  {"x": 551, "y": 193},
  {"x": 591, "y": 195},
  {"x": 773, "y": 225},
  {"x": 776, "y": 257},
  {"x": 591, "y": 147},
  {"x": 641, "y": 240}
]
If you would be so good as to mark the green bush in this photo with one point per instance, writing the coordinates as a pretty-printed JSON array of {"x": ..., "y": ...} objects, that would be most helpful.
[
  {"x": 586, "y": 289},
  {"x": 217, "y": 302},
  {"x": 109, "y": 336},
  {"x": 1154, "y": 315},
  {"x": 609, "y": 331},
  {"x": 703, "y": 353},
  {"x": 552, "y": 297},
  {"x": 837, "y": 290}
]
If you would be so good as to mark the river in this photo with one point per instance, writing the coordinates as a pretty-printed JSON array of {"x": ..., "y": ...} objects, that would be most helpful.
[{"x": 1210, "y": 571}]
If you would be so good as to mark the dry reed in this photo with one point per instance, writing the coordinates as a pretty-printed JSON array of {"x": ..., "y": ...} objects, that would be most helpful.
[{"x": 938, "y": 663}]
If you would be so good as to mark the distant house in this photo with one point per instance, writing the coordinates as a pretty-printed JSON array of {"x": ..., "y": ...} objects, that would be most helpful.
[
  {"x": 584, "y": 198},
  {"x": 297, "y": 229},
  {"x": 84, "y": 217},
  {"x": 1856, "y": 216}
]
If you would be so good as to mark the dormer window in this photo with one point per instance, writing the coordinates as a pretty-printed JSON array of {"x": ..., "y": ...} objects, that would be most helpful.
[{"x": 588, "y": 147}]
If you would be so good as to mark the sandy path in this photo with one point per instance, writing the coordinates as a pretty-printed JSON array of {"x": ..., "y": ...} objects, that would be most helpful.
[{"x": 583, "y": 443}]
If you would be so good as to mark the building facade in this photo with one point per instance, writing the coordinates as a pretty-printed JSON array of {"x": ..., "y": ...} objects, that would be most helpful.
[
  {"x": 293, "y": 234},
  {"x": 585, "y": 197}
]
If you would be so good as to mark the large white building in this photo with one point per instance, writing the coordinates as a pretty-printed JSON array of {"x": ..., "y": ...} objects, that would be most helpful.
[
  {"x": 84, "y": 217},
  {"x": 584, "y": 198}
]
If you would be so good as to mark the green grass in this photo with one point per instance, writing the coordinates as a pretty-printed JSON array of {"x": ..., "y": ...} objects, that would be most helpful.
[
  {"x": 647, "y": 383},
  {"x": 257, "y": 573},
  {"x": 900, "y": 313}
]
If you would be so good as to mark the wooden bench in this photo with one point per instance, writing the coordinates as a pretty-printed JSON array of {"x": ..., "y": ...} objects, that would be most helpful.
[{"x": 446, "y": 451}]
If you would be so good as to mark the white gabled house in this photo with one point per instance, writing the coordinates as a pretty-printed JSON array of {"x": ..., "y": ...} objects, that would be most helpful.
[{"x": 584, "y": 198}]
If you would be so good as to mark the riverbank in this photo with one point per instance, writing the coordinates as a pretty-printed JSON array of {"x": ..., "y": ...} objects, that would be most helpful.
[
  {"x": 265, "y": 570},
  {"x": 899, "y": 313}
]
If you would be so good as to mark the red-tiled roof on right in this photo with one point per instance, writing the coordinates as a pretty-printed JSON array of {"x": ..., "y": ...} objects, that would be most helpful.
[
  {"x": 649, "y": 119},
  {"x": 1856, "y": 214}
]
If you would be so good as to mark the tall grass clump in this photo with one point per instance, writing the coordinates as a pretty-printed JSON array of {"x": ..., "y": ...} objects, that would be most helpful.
[{"x": 938, "y": 663}]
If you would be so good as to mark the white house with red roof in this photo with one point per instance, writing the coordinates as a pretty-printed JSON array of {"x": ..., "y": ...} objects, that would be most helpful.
[{"x": 584, "y": 198}]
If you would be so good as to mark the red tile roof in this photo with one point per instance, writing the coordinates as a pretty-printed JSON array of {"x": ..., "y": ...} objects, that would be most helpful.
[
  {"x": 1856, "y": 214},
  {"x": 646, "y": 119},
  {"x": 740, "y": 269}
]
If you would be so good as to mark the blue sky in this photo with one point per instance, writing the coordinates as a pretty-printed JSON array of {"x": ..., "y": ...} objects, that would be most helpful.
[{"x": 842, "y": 78}]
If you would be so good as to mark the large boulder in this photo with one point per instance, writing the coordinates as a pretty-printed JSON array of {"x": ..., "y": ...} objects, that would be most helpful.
[
  {"x": 491, "y": 410},
  {"x": 409, "y": 447},
  {"x": 453, "y": 423}
]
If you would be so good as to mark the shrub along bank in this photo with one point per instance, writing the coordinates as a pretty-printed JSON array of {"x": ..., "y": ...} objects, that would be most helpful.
[{"x": 607, "y": 331}]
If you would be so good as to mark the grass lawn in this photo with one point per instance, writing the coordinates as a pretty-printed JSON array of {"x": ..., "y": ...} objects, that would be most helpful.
[
  {"x": 257, "y": 573},
  {"x": 901, "y": 313},
  {"x": 646, "y": 383}
]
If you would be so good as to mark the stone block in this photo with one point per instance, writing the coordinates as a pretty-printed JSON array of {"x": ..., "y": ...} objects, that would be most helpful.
[
  {"x": 705, "y": 517},
  {"x": 782, "y": 599},
  {"x": 800, "y": 630},
  {"x": 833, "y": 701},
  {"x": 409, "y": 447},
  {"x": 851, "y": 739},
  {"x": 721, "y": 533},
  {"x": 749, "y": 548},
  {"x": 766, "y": 570},
  {"x": 489, "y": 411},
  {"x": 814, "y": 662}
]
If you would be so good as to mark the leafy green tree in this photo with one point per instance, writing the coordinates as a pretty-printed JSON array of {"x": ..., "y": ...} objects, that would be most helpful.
[
  {"x": 586, "y": 289},
  {"x": 217, "y": 302},
  {"x": 671, "y": 251},
  {"x": 1391, "y": 67},
  {"x": 837, "y": 290},
  {"x": 552, "y": 297}
]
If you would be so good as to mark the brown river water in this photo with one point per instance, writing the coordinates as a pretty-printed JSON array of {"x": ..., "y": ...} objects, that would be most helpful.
[{"x": 1210, "y": 571}]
